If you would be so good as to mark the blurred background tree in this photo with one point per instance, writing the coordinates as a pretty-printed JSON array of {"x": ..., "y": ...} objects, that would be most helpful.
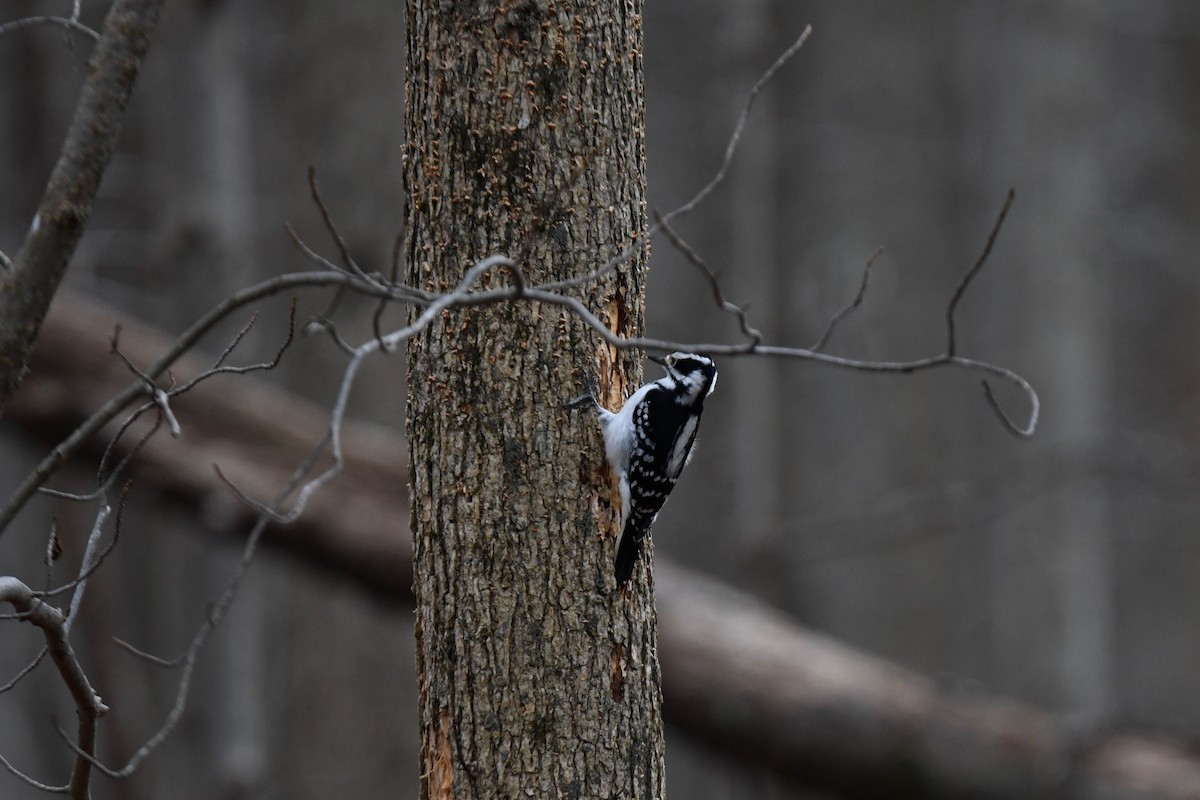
[{"x": 891, "y": 513}]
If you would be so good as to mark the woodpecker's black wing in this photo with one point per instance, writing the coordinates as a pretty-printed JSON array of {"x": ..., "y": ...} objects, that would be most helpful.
[{"x": 661, "y": 426}]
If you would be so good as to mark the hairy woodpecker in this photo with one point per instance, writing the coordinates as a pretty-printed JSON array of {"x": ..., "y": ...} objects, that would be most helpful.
[{"x": 648, "y": 443}]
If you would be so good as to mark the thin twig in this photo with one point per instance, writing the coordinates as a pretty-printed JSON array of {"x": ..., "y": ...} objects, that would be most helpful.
[
  {"x": 718, "y": 296},
  {"x": 327, "y": 218},
  {"x": 393, "y": 276},
  {"x": 221, "y": 368},
  {"x": 105, "y": 482},
  {"x": 71, "y": 23},
  {"x": 30, "y": 667},
  {"x": 331, "y": 437},
  {"x": 185, "y": 342},
  {"x": 331, "y": 310},
  {"x": 158, "y": 396},
  {"x": 735, "y": 138},
  {"x": 850, "y": 307},
  {"x": 150, "y": 657},
  {"x": 640, "y": 241},
  {"x": 215, "y": 614},
  {"x": 1024, "y": 432},
  {"x": 88, "y": 705},
  {"x": 951, "y": 344},
  {"x": 114, "y": 342},
  {"x": 93, "y": 563},
  {"x": 229, "y": 348},
  {"x": 105, "y": 477},
  {"x": 85, "y": 566},
  {"x": 397, "y": 292},
  {"x": 45, "y": 787},
  {"x": 326, "y": 325}
]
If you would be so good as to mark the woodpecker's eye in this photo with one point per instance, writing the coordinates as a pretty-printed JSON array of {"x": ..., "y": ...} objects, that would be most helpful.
[{"x": 670, "y": 361}]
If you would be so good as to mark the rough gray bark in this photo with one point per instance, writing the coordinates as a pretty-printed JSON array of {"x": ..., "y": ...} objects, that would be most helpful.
[
  {"x": 28, "y": 285},
  {"x": 525, "y": 138}
]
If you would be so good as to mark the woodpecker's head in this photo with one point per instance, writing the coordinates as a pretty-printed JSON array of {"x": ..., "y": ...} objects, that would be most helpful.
[{"x": 693, "y": 376}]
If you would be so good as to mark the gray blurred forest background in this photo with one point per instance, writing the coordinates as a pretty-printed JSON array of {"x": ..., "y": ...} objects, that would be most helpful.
[{"x": 893, "y": 513}]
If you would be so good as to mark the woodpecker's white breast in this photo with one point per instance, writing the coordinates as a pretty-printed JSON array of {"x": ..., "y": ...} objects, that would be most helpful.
[{"x": 619, "y": 430}]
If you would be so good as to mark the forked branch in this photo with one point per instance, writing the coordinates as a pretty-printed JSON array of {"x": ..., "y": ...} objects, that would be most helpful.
[{"x": 88, "y": 705}]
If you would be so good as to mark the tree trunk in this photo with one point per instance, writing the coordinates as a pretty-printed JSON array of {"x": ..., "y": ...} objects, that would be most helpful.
[{"x": 525, "y": 137}]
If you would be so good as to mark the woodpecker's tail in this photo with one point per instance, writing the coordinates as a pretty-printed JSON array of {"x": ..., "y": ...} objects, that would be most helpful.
[{"x": 628, "y": 550}]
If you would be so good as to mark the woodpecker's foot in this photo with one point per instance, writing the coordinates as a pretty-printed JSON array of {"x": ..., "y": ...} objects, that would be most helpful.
[{"x": 588, "y": 399}]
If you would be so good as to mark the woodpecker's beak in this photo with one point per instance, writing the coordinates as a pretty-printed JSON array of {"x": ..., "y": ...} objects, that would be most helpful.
[{"x": 657, "y": 359}]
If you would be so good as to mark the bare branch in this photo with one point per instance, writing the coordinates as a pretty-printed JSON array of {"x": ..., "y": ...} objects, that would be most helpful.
[
  {"x": 848, "y": 309},
  {"x": 464, "y": 296},
  {"x": 284, "y": 430},
  {"x": 738, "y": 128},
  {"x": 85, "y": 567},
  {"x": 332, "y": 437},
  {"x": 972, "y": 272},
  {"x": 38, "y": 268},
  {"x": 158, "y": 396},
  {"x": 395, "y": 291},
  {"x": 221, "y": 368},
  {"x": 215, "y": 614},
  {"x": 347, "y": 260},
  {"x": 660, "y": 345},
  {"x": 185, "y": 342},
  {"x": 640, "y": 242},
  {"x": 241, "y": 335},
  {"x": 45, "y": 787},
  {"x": 691, "y": 255},
  {"x": 88, "y": 706},
  {"x": 28, "y": 668},
  {"x": 460, "y": 296},
  {"x": 171, "y": 721},
  {"x": 173, "y": 663},
  {"x": 1026, "y": 431},
  {"x": 161, "y": 400},
  {"x": 104, "y": 482},
  {"x": 91, "y": 562},
  {"x": 70, "y": 24},
  {"x": 377, "y": 317},
  {"x": 325, "y": 325}
]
